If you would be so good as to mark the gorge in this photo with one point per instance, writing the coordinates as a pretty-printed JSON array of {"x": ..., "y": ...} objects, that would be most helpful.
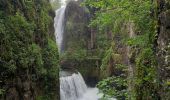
[
  {"x": 84, "y": 49},
  {"x": 72, "y": 84}
]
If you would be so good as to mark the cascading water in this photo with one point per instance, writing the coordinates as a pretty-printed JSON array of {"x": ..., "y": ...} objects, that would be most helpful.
[
  {"x": 59, "y": 28},
  {"x": 72, "y": 86}
]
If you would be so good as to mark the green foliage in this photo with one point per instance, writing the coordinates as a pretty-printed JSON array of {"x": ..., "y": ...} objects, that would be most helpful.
[
  {"x": 76, "y": 54},
  {"x": 107, "y": 56},
  {"x": 36, "y": 59},
  {"x": 51, "y": 59},
  {"x": 113, "y": 87},
  {"x": 2, "y": 92},
  {"x": 116, "y": 16},
  {"x": 141, "y": 40},
  {"x": 26, "y": 44},
  {"x": 16, "y": 37},
  {"x": 113, "y": 13},
  {"x": 75, "y": 51},
  {"x": 146, "y": 77}
]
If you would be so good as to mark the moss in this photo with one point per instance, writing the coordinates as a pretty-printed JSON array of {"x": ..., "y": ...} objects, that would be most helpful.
[
  {"x": 146, "y": 76},
  {"x": 27, "y": 46}
]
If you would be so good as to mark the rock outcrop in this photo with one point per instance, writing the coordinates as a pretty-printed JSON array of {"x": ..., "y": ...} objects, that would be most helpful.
[
  {"x": 76, "y": 22},
  {"x": 78, "y": 39},
  {"x": 163, "y": 47}
]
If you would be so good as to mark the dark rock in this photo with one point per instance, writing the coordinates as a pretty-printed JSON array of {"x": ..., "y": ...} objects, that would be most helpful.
[
  {"x": 76, "y": 30},
  {"x": 68, "y": 64},
  {"x": 12, "y": 94},
  {"x": 165, "y": 18},
  {"x": 163, "y": 49}
]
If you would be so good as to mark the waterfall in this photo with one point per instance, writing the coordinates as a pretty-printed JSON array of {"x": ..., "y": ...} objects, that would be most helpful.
[
  {"x": 59, "y": 23},
  {"x": 59, "y": 27},
  {"x": 73, "y": 87}
]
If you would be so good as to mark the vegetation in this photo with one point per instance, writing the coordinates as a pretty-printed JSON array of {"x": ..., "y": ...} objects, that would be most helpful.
[
  {"x": 120, "y": 43},
  {"x": 27, "y": 46},
  {"x": 113, "y": 86},
  {"x": 117, "y": 16}
]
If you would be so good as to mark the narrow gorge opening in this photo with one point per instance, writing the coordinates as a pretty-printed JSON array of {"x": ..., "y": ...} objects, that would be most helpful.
[
  {"x": 72, "y": 84},
  {"x": 84, "y": 49}
]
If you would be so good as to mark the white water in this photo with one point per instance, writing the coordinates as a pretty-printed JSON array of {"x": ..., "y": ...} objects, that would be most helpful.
[
  {"x": 91, "y": 94},
  {"x": 58, "y": 25},
  {"x": 74, "y": 88}
]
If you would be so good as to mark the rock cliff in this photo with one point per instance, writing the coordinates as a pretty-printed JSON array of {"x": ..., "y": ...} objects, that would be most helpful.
[{"x": 163, "y": 47}]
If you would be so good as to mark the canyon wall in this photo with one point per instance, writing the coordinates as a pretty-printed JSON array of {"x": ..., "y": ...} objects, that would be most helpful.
[
  {"x": 29, "y": 55},
  {"x": 163, "y": 47}
]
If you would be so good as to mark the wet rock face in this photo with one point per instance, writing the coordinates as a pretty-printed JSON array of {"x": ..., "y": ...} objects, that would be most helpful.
[
  {"x": 163, "y": 48},
  {"x": 164, "y": 38},
  {"x": 68, "y": 64},
  {"x": 75, "y": 34},
  {"x": 76, "y": 21},
  {"x": 164, "y": 33}
]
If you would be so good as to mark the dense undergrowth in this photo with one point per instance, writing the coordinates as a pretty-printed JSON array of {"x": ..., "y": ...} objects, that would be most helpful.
[
  {"x": 27, "y": 46},
  {"x": 124, "y": 48},
  {"x": 135, "y": 22}
]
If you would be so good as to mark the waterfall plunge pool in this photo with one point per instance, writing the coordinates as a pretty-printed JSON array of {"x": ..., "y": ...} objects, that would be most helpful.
[{"x": 73, "y": 87}]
